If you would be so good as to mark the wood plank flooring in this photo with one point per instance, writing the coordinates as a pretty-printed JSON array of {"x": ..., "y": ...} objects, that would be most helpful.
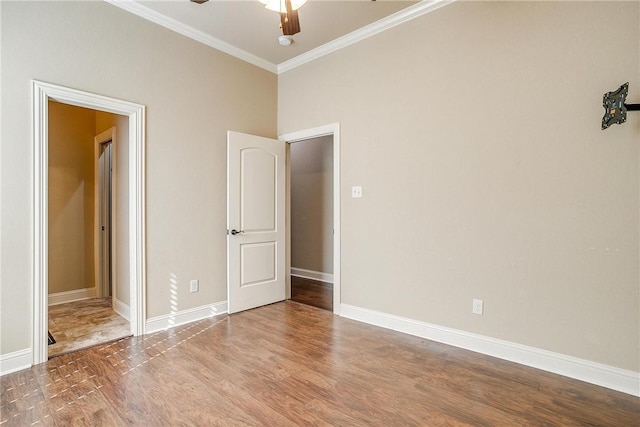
[
  {"x": 80, "y": 324},
  {"x": 290, "y": 364},
  {"x": 312, "y": 292}
]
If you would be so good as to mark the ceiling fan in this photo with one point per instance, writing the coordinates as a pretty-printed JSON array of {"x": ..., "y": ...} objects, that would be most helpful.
[{"x": 288, "y": 9}]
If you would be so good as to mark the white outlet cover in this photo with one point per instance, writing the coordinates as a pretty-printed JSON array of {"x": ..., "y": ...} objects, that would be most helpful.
[
  {"x": 356, "y": 191},
  {"x": 478, "y": 306}
]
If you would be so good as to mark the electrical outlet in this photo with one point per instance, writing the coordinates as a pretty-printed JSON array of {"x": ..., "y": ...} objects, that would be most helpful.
[
  {"x": 194, "y": 286},
  {"x": 356, "y": 191},
  {"x": 478, "y": 306}
]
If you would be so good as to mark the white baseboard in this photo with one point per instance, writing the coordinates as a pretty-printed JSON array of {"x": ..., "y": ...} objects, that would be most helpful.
[
  {"x": 69, "y": 296},
  {"x": 310, "y": 274},
  {"x": 15, "y": 361},
  {"x": 580, "y": 369},
  {"x": 166, "y": 321},
  {"x": 122, "y": 309}
]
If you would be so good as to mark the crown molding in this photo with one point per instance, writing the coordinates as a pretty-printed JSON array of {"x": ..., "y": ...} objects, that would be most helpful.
[
  {"x": 404, "y": 15},
  {"x": 188, "y": 31},
  {"x": 400, "y": 17}
]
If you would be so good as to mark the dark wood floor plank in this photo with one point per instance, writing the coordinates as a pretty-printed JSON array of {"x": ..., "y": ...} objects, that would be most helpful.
[
  {"x": 312, "y": 292},
  {"x": 290, "y": 364}
]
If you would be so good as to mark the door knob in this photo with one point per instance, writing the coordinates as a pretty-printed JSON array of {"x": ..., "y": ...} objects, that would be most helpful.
[{"x": 234, "y": 232}]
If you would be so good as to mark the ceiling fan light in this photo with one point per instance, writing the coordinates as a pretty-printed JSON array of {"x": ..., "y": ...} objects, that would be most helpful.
[
  {"x": 280, "y": 5},
  {"x": 285, "y": 40}
]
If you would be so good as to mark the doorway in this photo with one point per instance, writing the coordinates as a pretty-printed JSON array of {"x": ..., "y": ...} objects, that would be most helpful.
[
  {"x": 330, "y": 218},
  {"x": 43, "y": 93},
  {"x": 311, "y": 206},
  {"x": 252, "y": 263},
  {"x": 81, "y": 238}
]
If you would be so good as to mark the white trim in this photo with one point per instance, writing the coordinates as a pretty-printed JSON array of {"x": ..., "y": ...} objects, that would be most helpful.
[
  {"x": 404, "y": 15},
  {"x": 70, "y": 296},
  {"x": 15, "y": 361},
  {"x": 365, "y": 32},
  {"x": 569, "y": 366},
  {"x": 41, "y": 94},
  {"x": 122, "y": 309},
  {"x": 330, "y": 129},
  {"x": 40, "y": 123},
  {"x": 311, "y": 274},
  {"x": 166, "y": 321},
  {"x": 188, "y": 31}
]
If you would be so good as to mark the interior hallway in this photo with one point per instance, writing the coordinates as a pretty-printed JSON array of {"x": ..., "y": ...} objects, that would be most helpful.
[{"x": 80, "y": 324}]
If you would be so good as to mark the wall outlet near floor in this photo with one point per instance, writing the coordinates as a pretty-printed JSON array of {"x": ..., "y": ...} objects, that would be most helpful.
[
  {"x": 194, "y": 286},
  {"x": 478, "y": 306}
]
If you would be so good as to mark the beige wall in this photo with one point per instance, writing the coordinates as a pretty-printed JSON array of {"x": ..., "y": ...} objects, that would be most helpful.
[
  {"x": 71, "y": 197},
  {"x": 312, "y": 204},
  {"x": 193, "y": 95},
  {"x": 120, "y": 238},
  {"x": 475, "y": 133}
]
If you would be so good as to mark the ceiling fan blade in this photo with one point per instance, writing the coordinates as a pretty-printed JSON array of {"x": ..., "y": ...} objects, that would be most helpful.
[{"x": 289, "y": 21}]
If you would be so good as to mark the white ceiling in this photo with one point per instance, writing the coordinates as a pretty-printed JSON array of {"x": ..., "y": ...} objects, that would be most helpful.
[{"x": 244, "y": 28}]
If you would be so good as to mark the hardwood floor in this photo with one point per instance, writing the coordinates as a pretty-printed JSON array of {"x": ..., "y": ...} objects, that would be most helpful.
[
  {"x": 312, "y": 292},
  {"x": 80, "y": 324},
  {"x": 290, "y": 364}
]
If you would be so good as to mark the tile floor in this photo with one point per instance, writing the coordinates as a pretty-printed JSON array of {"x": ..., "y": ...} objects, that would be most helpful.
[{"x": 81, "y": 324}]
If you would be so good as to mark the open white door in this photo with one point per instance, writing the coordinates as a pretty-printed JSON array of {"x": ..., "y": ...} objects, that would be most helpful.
[{"x": 255, "y": 221}]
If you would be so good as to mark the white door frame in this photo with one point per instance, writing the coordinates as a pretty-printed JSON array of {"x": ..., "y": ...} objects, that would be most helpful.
[
  {"x": 331, "y": 129},
  {"x": 41, "y": 94},
  {"x": 108, "y": 136}
]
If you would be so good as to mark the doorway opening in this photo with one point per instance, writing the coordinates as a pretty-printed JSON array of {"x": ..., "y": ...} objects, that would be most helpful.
[
  {"x": 259, "y": 217},
  {"x": 82, "y": 241},
  {"x": 47, "y": 253},
  {"x": 311, "y": 207},
  {"x": 313, "y": 249}
]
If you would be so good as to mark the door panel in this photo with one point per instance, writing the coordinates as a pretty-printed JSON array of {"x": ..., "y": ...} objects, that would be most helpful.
[
  {"x": 255, "y": 221},
  {"x": 258, "y": 190},
  {"x": 257, "y": 263}
]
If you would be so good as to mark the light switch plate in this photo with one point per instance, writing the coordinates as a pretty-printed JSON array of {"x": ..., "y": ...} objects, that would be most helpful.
[
  {"x": 356, "y": 191},
  {"x": 194, "y": 286}
]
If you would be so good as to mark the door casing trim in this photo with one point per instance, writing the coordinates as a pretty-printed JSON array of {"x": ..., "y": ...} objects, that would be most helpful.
[{"x": 41, "y": 94}]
